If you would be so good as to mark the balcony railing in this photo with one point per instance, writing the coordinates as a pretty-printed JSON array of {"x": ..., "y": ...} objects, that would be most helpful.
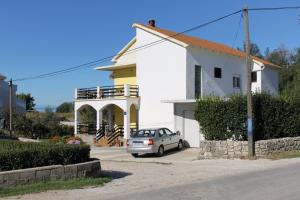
[{"x": 107, "y": 92}]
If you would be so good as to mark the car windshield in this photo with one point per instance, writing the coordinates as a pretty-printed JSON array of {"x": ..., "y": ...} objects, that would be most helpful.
[{"x": 144, "y": 133}]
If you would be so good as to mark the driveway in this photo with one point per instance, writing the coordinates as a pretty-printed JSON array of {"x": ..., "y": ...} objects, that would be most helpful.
[
  {"x": 178, "y": 177},
  {"x": 120, "y": 155}
]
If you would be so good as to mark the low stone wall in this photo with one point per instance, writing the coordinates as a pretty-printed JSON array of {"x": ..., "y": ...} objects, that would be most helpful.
[
  {"x": 239, "y": 149},
  {"x": 54, "y": 172},
  {"x": 267, "y": 147}
]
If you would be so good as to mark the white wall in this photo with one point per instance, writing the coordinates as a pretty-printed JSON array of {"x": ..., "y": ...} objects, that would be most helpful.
[
  {"x": 267, "y": 78},
  {"x": 161, "y": 75},
  {"x": 208, "y": 60},
  {"x": 129, "y": 57}
]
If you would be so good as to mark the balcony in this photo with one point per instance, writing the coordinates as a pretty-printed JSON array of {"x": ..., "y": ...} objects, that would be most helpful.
[{"x": 104, "y": 92}]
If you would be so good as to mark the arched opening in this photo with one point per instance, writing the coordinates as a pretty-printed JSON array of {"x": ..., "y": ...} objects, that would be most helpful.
[
  {"x": 87, "y": 116},
  {"x": 111, "y": 126},
  {"x": 111, "y": 116},
  {"x": 133, "y": 118}
]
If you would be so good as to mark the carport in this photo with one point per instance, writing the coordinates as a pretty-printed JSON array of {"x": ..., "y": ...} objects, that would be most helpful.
[{"x": 185, "y": 123}]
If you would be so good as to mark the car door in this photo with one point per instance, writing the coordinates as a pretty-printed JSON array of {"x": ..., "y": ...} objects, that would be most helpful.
[
  {"x": 163, "y": 138},
  {"x": 172, "y": 139}
]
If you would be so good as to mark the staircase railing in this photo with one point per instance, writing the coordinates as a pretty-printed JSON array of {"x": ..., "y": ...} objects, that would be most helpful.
[
  {"x": 100, "y": 133},
  {"x": 117, "y": 131},
  {"x": 112, "y": 135},
  {"x": 87, "y": 128}
]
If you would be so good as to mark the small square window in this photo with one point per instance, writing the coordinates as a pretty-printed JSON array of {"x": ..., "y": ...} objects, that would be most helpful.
[
  {"x": 218, "y": 72},
  {"x": 236, "y": 82},
  {"x": 253, "y": 77}
]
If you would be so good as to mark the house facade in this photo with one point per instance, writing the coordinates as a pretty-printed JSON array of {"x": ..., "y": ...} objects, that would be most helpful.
[
  {"x": 159, "y": 75},
  {"x": 17, "y": 104}
]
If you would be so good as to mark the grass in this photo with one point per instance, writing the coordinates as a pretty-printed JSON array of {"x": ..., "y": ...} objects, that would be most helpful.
[
  {"x": 284, "y": 155},
  {"x": 54, "y": 185}
]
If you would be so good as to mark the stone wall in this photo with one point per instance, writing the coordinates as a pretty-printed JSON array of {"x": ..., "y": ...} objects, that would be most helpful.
[
  {"x": 239, "y": 149},
  {"x": 54, "y": 172}
]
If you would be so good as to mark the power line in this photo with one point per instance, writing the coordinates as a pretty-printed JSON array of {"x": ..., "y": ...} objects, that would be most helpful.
[
  {"x": 275, "y": 8},
  {"x": 237, "y": 31},
  {"x": 105, "y": 59}
]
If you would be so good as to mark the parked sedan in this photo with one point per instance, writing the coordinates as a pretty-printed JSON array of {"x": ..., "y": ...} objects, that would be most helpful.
[{"x": 153, "y": 141}]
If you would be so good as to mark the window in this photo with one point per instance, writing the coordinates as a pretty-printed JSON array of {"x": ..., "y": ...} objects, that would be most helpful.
[
  {"x": 161, "y": 133},
  {"x": 168, "y": 132},
  {"x": 218, "y": 72},
  {"x": 236, "y": 82},
  {"x": 253, "y": 76},
  {"x": 197, "y": 81},
  {"x": 144, "y": 133}
]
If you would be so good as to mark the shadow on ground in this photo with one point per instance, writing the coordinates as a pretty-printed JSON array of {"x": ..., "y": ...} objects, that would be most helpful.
[
  {"x": 166, "y": 153},
  {"x": 115, "y": 174}
]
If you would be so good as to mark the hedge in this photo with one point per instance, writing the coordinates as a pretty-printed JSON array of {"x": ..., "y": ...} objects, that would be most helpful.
[
  {"x": 19, "y": 155},
  {"x": 274, "y": 117}
]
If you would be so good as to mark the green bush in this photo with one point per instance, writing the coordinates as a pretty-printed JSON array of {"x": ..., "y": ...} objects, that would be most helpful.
[
  {"x": 20, "y": 155},
  {"x": 274, "y": 117}
]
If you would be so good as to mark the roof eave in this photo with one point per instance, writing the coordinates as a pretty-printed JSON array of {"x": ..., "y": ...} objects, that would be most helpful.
[
  {"x": 124, "y": 49},
  {"x": 135, "y": 25}
]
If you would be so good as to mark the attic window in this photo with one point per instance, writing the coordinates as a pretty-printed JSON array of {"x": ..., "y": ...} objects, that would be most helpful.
[{"x": 218, "y": 72}]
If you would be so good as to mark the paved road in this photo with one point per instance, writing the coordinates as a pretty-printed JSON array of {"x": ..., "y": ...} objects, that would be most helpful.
[
  {"x": 179, "y": 175},
  {"x": 279, "y": 183}
]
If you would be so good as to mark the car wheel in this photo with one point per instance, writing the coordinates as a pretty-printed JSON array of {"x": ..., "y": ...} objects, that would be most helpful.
[
  {"x": 160, "y": 151},
  {"x": 180, "y": 145},
  {"x": 135, "y": 155}
]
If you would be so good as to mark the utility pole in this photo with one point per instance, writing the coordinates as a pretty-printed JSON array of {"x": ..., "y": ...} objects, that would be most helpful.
[
  {"x": 10, "y": 107},
  {"x": 251, "y": 152}
]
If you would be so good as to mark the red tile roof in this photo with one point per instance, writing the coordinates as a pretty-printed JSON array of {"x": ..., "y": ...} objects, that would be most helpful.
[{"x": 214, "y": 46}]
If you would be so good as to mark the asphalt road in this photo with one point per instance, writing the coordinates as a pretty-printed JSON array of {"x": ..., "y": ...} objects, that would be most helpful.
[{"x": 279, "y": 183}]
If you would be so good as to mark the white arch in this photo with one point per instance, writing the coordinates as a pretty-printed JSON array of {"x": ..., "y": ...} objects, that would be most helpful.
[{"x": 100, "y": 104}]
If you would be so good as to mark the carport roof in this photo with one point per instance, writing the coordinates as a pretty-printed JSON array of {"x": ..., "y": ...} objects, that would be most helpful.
[{"x": 179, "y": 101}]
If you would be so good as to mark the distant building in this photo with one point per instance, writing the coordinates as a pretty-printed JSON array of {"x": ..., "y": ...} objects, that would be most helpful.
[{"x": 18, "y": 105}]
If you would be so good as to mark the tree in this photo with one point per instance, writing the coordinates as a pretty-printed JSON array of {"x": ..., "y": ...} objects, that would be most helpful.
[
  {"x": 29, "y": 100},
  {"x": 66, "y": 107},
  {"x": 254, "y": 50}
]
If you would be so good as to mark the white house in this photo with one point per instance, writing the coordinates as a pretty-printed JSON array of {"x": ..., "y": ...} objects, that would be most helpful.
[
  {"x": 159, "y": 74},
  {"x": 17, "y": 104}
]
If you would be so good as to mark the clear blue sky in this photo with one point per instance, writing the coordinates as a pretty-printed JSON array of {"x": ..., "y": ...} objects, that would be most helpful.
[{"x": 43, "y": 36}]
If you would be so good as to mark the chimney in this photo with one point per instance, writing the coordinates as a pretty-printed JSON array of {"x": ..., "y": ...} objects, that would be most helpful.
[{"x": 151, "y": 22}]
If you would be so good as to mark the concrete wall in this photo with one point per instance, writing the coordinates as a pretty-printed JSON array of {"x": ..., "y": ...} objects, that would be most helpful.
[
  {"x": 129, "y": 57},
  {"x": 125, "y": 76},
  {"x": 49, "y": 173},
  {"x": 208, "y": 60},
  {"x": 230, "y": 65},
  {"x": 161, "y": 75},
  {"x": 239, "y": 149}
]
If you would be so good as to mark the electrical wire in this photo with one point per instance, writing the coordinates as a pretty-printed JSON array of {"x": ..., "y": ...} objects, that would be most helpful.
[
  {"x": 237, "y": 31},
  {"x": 105, "y": 59},
  {"x": 274, "y": 8}
]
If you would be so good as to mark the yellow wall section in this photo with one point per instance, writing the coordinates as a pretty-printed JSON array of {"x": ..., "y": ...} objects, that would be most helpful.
[
  {"x": 119, "y": 116},
  {"x": 125, "y": 76},
  {"x": 119, "y": 119}
]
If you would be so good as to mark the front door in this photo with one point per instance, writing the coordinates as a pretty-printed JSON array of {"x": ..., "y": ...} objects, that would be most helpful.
[{"x": 191, "y": 129}]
